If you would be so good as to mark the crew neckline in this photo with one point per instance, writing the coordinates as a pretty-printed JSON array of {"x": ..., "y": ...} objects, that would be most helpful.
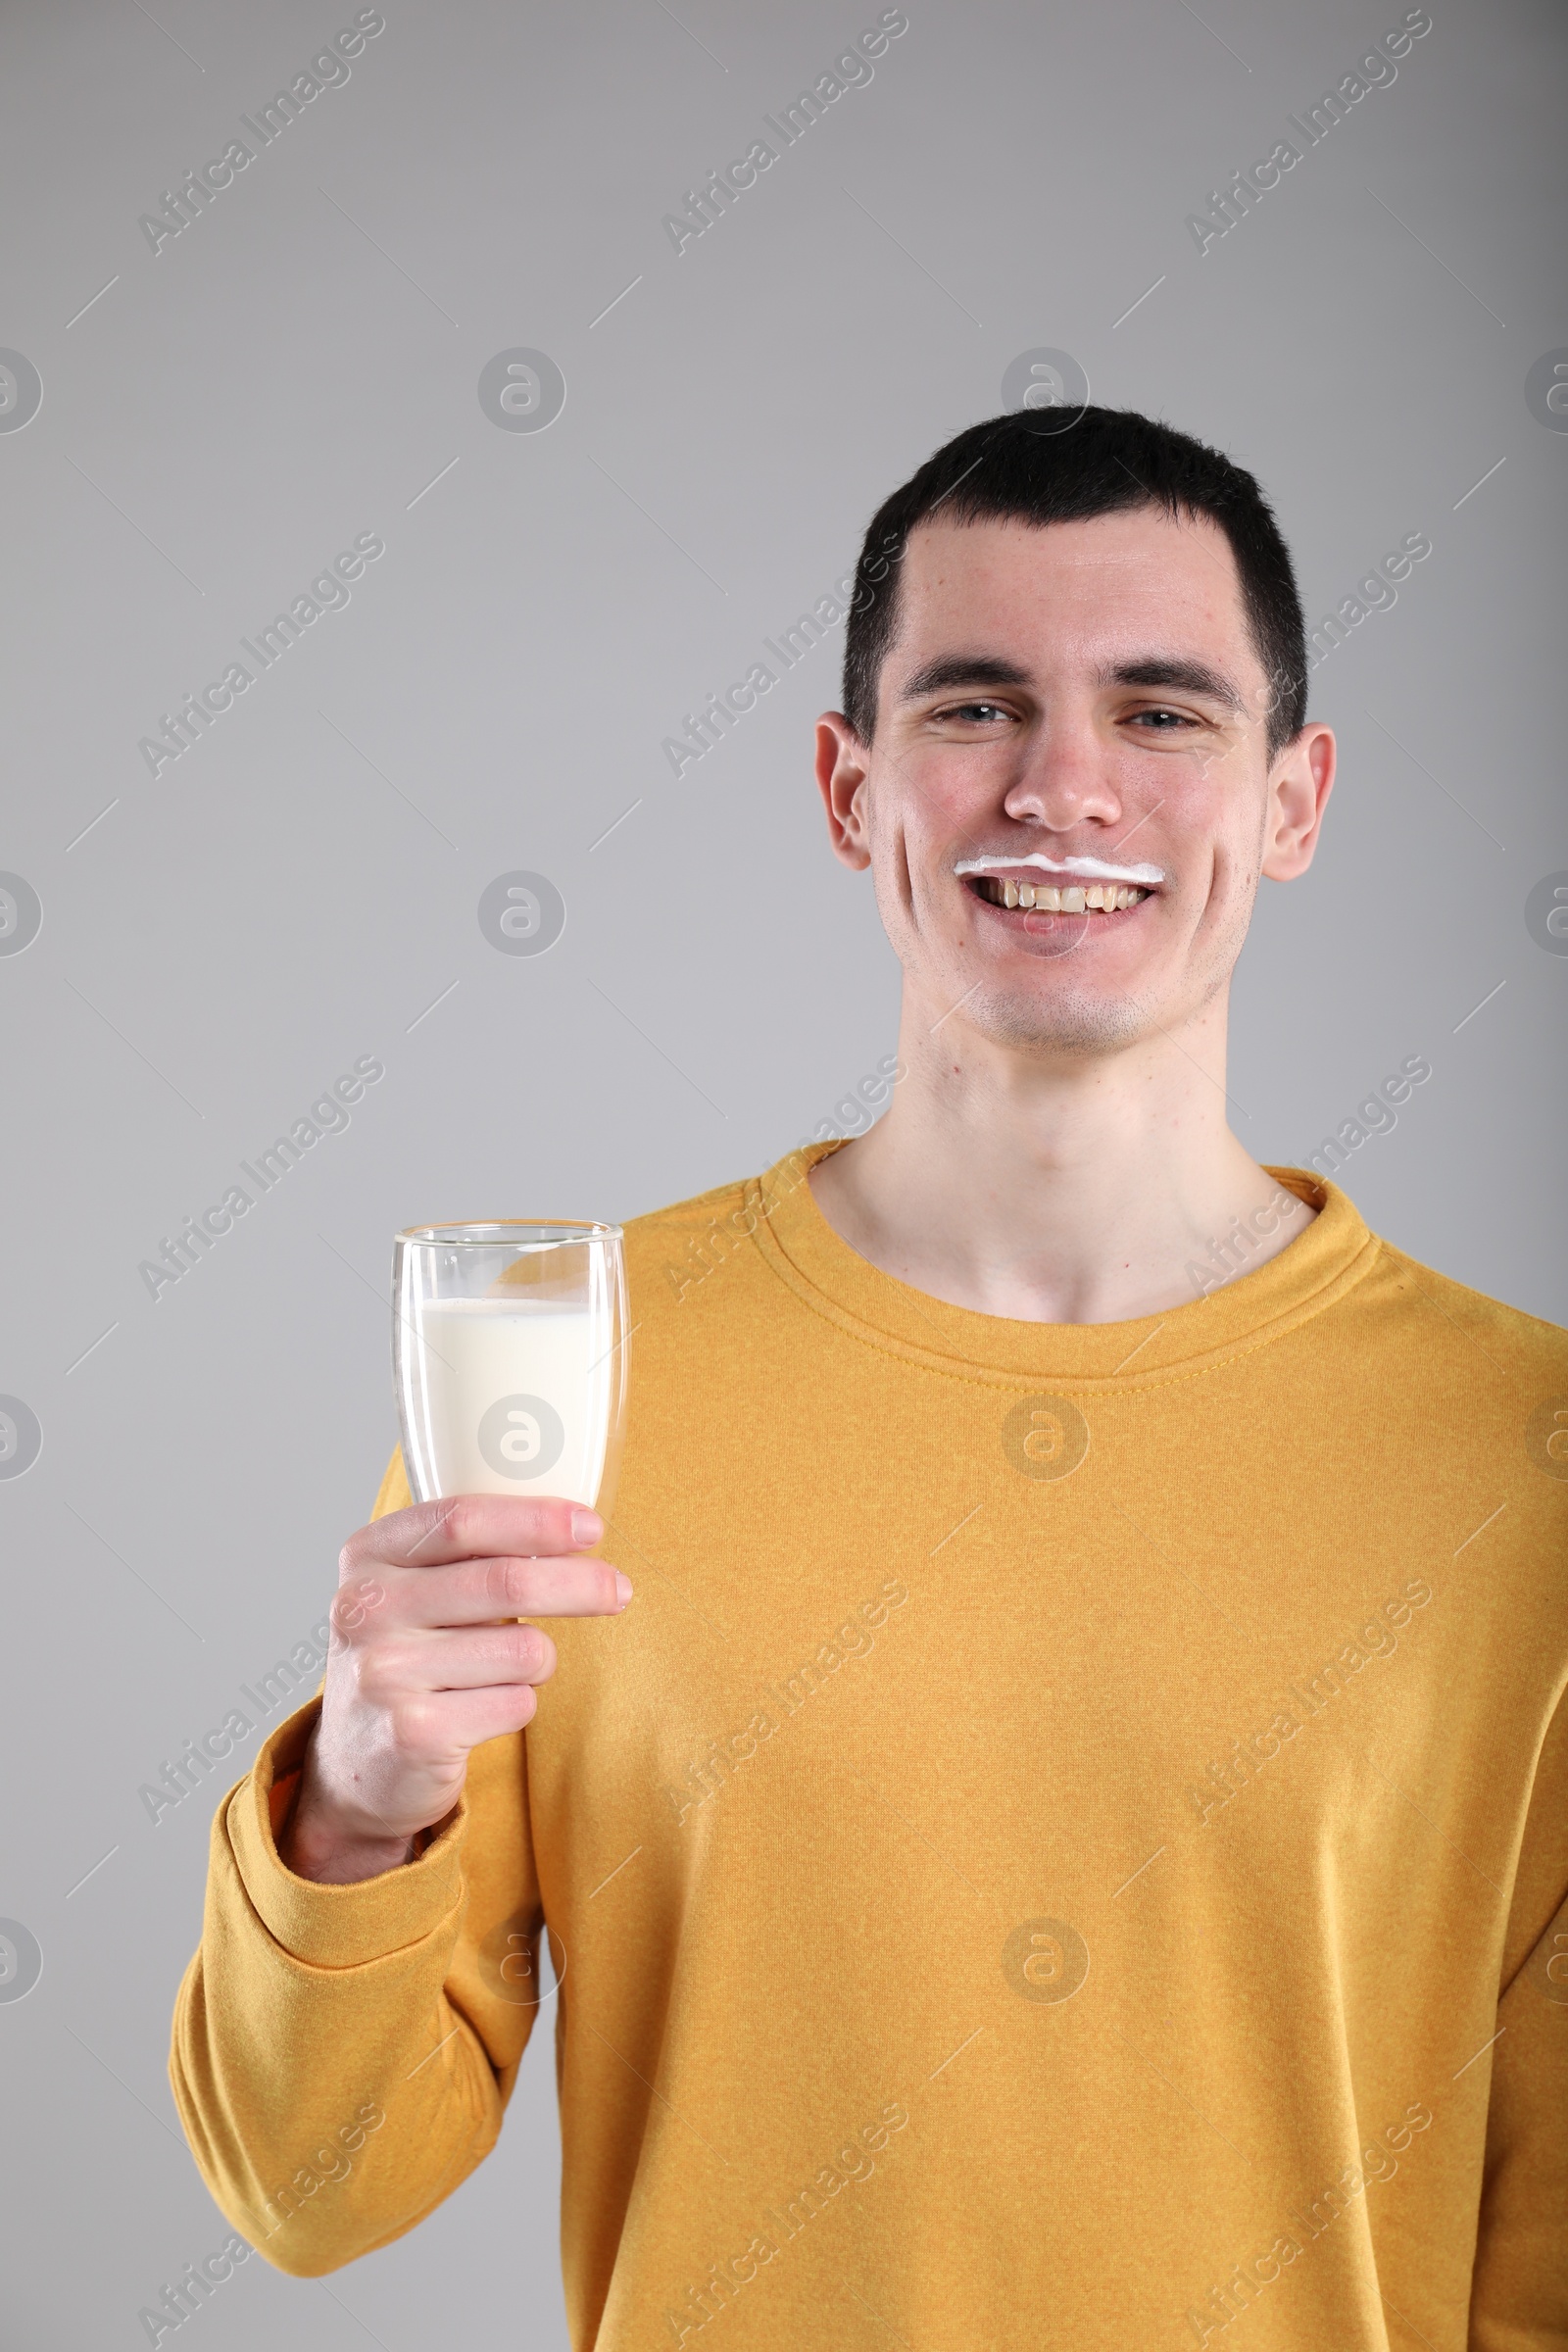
[{"x": 1334, "y": 1252}]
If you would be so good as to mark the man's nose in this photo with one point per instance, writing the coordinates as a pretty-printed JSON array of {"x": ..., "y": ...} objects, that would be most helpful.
[{"x": 1067, "y": 780}]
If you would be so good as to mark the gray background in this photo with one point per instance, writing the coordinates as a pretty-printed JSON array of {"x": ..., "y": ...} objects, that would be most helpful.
[{"x": 226, "y": 939}]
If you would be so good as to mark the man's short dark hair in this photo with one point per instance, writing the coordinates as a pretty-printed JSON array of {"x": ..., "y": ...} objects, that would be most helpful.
[{"x": 1042, "y": 466}]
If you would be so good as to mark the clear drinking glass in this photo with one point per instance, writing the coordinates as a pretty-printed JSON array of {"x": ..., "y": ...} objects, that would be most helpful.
[{"x": 510, "y": 1358}]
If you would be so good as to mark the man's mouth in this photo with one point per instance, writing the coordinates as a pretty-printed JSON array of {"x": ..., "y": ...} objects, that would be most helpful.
[
  {"x": 1047, "y": 898},
  {"x": 1076, "y": 885}
]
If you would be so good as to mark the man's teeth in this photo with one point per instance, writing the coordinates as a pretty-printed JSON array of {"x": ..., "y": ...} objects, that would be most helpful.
[{"x": 1101, "y": 897}]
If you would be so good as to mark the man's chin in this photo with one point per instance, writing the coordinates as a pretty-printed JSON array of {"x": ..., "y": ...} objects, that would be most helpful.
[{"x": 1079, "y": 1023}]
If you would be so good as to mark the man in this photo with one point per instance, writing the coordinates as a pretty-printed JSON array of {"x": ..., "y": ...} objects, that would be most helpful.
[{"x": 1068, "y": 1843}]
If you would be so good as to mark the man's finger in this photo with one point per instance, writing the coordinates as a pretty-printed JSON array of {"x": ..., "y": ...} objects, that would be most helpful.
[
  {"x": 463, "y": 1527},
  {"x": 481, "y": 1657},
  {"x": 477, "y": 1592},
  {"x": 466, "y": 1718}
]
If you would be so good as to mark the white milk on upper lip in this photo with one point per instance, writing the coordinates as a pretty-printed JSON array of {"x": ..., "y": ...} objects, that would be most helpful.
[
  {"x": 1083, "y": 869},
  {"x": 489, "y": 1367}
]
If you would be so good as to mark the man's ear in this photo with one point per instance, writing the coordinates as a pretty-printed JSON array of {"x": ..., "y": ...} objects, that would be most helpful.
[
  {"x": 1298, "y": 787},
  {"x": 842, "y": 765}
]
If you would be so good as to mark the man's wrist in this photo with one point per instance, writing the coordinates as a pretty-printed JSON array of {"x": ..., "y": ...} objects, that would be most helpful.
[
  {"x": 334, "y": 1856},
  {"x": 315, "y": 1840}
]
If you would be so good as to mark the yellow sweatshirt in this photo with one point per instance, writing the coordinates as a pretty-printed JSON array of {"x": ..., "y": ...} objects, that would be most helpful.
[{"x": 1067, "y": 1845}]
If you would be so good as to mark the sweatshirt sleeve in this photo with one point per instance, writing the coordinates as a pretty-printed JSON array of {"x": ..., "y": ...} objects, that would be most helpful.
[
  {"x": 1519, "y": 2297},
  {"x": 342, "y": 2055}
]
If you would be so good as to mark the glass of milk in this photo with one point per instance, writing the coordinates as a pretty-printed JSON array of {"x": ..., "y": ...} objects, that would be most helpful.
[{"x": 510, "y": 1358}]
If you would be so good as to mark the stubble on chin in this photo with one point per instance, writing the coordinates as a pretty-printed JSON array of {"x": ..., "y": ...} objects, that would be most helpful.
[{"x": 1074, "y": 1021}]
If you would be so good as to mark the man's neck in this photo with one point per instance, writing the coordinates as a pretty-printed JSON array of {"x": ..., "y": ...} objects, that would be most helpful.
[{"x": 1077, "y": 1189}]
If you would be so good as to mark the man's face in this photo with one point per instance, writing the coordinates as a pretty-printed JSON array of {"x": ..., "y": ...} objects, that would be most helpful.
[{"x": 1077, "y": 709}]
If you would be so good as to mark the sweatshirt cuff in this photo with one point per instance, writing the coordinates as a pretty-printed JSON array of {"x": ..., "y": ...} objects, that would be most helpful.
[{"x": 333, "y": 1926}]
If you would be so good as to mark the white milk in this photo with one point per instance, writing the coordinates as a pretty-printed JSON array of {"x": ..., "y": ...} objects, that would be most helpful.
[{"x": 516, "y": 1397}]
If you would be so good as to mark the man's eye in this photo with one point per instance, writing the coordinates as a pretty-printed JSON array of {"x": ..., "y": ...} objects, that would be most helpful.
[
  {"x": 983, "y": 712},
  {"x": 1161, "y": 722}
]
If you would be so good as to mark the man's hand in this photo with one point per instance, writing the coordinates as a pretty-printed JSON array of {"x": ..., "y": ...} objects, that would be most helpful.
[{"x": 424, "y": 1666}]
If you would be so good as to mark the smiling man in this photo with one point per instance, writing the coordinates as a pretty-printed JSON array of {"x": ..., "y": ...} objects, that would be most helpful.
[
  {"x": 1039, "y": 716},
  {"x": 1069, "y": 1841}
]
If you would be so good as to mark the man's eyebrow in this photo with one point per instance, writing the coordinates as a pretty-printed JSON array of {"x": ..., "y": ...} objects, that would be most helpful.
[
  {"x": 1184, "y": 677},
  {"x": 1180, "y": 674},
  {"x": 962, "y": 670}
]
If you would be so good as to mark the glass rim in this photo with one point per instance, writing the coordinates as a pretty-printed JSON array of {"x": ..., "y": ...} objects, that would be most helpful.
[{"x": 499, "y": 1233}]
